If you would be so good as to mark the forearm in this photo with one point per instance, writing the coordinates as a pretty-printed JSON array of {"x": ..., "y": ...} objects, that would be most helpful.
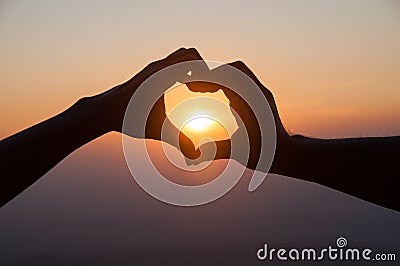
[
  {"x": 29, "y": 154},
  {"x": 366, "y": 168}
]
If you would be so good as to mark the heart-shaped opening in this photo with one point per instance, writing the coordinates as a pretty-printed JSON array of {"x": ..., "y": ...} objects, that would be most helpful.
[{"x": 200, "y": 115}]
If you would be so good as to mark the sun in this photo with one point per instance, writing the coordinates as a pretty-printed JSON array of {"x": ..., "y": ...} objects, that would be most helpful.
[{"x": 199, "y": 123}]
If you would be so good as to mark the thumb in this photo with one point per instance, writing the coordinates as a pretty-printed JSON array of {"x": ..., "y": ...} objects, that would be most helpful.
[
  {"x": 187, "y": 147},
  {"x": 211, "y": 151}
]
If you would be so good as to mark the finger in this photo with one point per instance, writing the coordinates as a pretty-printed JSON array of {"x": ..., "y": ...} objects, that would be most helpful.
[
  {"x": 245, "y": 69},
  {"x": 180, "y": 55},
  {"x": 187, "y": 72},
  {"x": 223, "y": 151},
  {"x": 155, "y": 120},
  {"x": 233, "y": 97},
  {"x": 180, "y": 73},
  {"x": 187, "y": 147},
  {"x": 200, "y": 87},
  {"x": 201, "y": 67},
  {"x": 170, "y": 58},
  {"x": 203, "y": 86},
  {"x": 157, "y": 114},
  {"x": 267, "y": 93}
]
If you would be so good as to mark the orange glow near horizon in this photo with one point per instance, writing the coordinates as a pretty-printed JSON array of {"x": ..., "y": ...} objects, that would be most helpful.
[{"x": 332, "y": 67}]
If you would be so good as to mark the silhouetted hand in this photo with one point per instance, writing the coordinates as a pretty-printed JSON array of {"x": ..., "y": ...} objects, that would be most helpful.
[
  {"x": 248, "y": 117},
  {"x": 363, "y": 167},
  {"x": 29, "y": 154},
  {"x": 114, "y": 102}
]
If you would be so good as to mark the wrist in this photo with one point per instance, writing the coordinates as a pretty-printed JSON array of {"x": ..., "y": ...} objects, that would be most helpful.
[
  {"x": 91, "y": 116},
  {"x": 287, "y": 155},
  {"x": 302, "y": 156}
]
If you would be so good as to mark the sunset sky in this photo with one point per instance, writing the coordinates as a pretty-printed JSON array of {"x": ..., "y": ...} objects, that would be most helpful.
[{"x": 333, "y": 66}]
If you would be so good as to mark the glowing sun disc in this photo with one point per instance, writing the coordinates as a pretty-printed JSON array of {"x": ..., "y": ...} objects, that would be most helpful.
[{"x": 199, "y": 123}]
